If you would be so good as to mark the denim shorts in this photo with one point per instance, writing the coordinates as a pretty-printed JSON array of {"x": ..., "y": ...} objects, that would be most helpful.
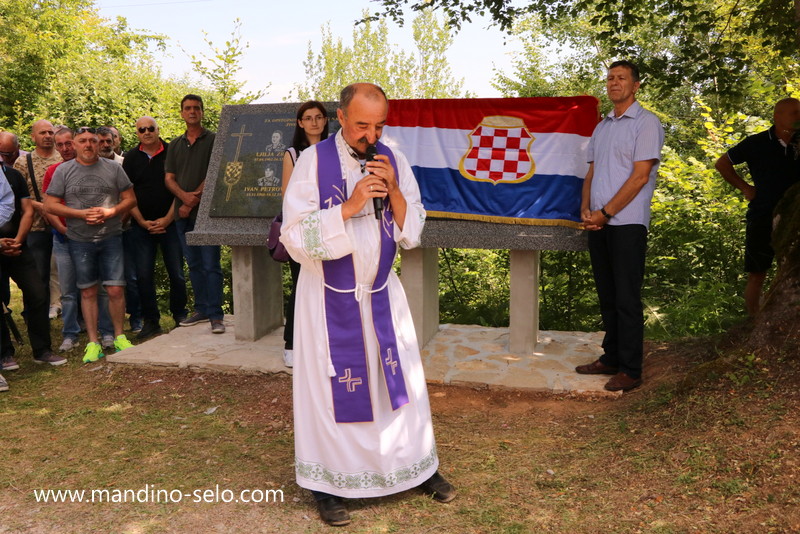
[{"x": 98, "y": 262}]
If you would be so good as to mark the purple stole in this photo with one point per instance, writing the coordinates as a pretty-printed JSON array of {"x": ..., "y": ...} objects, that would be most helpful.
[{"x": 350, "y": 386}]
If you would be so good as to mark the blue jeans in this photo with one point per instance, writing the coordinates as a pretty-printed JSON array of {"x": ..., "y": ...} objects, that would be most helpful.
[
  {"x": 70, "y": 295},
  {"x": 205, "y": 272},
  {"x": 146, "y": 246}
]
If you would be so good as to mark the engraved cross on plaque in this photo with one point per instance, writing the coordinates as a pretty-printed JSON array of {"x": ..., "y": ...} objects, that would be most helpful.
[
  {"x": 233, "y": 170},
  {"x": 390, "y": 361},
  {"x": 351, "y": 382}
]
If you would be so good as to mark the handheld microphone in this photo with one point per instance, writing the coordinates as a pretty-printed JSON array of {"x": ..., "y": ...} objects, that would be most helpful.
[{"x": 377, "y": 202}]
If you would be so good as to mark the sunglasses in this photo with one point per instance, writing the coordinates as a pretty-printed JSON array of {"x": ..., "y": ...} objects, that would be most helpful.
[
  {"x": 84, "y": 129},
  {"x": 150, "y": 129}
]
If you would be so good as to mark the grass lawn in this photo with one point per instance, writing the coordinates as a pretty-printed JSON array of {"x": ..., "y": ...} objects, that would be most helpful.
[{"x": 715, "y": 455}]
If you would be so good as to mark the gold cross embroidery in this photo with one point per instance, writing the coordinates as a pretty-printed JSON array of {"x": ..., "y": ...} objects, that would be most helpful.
[
  {"x": 351, "y": 382},
  {"x": 390, "y": 361},
  {"x": 233, "y": 170}
]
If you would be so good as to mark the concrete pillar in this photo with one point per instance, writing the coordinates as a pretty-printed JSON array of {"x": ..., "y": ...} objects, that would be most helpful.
[
  {"x": 524, "y": 312},
  {"x": 257, "y": 292},
  {"x": 419, "y": 273}
]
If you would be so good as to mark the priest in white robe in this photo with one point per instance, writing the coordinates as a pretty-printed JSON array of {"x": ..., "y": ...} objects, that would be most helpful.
[{"x": 361, "y": 413}]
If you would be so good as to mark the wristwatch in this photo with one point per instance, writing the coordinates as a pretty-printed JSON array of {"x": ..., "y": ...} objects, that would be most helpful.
[{"x": 605, "y": 214}]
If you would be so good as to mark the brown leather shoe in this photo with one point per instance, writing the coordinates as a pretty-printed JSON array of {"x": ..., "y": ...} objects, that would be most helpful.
[
  {"x": 622, "y": 382},
  {"x": 596, "y": 368}
]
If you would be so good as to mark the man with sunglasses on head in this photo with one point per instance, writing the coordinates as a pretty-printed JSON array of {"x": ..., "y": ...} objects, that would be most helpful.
[
  {"x": 98, "y": 194},
  {"x": 153, "y": 227},
  {"x": 132, "y": 304}
]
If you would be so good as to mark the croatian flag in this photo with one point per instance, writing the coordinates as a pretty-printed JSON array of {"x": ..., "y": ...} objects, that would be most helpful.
[{"x": 510, "y": 160}]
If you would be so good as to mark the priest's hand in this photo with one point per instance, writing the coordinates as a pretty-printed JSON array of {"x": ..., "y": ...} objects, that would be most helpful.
[{"x": 366, "y": 189}]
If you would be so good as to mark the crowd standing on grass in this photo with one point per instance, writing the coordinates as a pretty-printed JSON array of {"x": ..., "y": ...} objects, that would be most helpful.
[{"x": 80, "y": 227}]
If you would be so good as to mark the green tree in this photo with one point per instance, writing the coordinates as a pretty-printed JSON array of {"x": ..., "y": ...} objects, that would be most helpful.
[
  {"x": 54, "y": 53},
  {"x": 219, "y": 68},
  {"x": 726, "y": 47},
  {"x": 401, "y": 74}
]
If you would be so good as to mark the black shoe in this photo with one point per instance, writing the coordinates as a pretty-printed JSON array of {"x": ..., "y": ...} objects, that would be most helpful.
[
  {"x": 333, "y": 511},
  {"x": 148, "y": 330},
  {"x": 440, "y": 488},
  {"x": 194, "y": 319}
]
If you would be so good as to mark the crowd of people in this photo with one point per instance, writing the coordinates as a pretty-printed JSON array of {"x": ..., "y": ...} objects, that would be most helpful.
[{"x": 86, "y": 224}]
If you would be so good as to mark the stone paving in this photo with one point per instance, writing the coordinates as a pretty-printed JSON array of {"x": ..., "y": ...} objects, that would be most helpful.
[{"x": 458, "y": 354}]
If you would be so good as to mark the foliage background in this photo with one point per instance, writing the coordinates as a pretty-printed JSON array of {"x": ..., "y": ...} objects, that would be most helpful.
[{"x": 60, "y": 60}]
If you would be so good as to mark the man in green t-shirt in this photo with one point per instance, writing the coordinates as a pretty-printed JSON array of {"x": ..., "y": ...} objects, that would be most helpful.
[{"x": 185, "y": 176}]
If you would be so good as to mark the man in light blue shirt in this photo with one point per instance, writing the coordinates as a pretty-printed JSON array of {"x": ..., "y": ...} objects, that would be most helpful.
[
  {"x": 624, "y": 154},
  {"x": 6, "y": 212}
]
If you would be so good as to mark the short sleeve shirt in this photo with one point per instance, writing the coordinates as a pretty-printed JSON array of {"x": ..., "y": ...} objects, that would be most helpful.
[
  {"x": 189, "y": 163},
  {"x": 89, "y": 186},
  {"x": 17, "y": 183},
  {"x": 774, "y": 168},
  {"x": 618, "y": 142}
]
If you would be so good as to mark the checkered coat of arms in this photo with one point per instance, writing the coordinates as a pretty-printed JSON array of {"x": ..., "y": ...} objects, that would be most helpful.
[{"x": 499, "y": 151}]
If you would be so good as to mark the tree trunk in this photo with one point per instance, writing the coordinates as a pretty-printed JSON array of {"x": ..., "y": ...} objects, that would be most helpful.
[{"x": 777, "y": 326}]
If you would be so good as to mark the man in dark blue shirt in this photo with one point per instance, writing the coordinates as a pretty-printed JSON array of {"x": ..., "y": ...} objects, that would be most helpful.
[{"x": 774, "y": 167}]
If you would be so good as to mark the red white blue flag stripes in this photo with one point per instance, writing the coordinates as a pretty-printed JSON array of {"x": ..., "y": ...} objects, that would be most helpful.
[{"x": 512, "y": 160}]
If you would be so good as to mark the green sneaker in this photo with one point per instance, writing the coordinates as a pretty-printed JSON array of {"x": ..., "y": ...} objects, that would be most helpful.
[
  {"x": 93, "y": 352},
  {"x": 121, "y": 343}
]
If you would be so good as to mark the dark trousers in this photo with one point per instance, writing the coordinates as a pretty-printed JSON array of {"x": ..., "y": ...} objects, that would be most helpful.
[
  {"x": 133, "y": 306},
  {"x": 617, "y": 254},
  {"x": 40, "y": 248},
  {"x": 146, "y": 247},
  {"x": 288, "y": 329},
  {"x": 22, "y": 269}
]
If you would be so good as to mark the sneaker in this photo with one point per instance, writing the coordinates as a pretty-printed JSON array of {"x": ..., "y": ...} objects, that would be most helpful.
[
  {"x": 7, "y": 363},
  {"x": 136, "y": 326},
  {"x": 54, "y": 312},
  {"x": 93, "y": 352},
  {"x": 178, "y": 319},
  {"x": 68, "y": 344},
  {"x": 108, "y": 341},
  {"x": 194, "y": 319},
  {"x": 217, "y": 326},
  {"x": 121, "y": 343},
  {"x": 3, "y": 384},
  {"x": 149, "y": 330},
  {"x": 49, "y": 357},
  {"x": 288, "y": 357}
]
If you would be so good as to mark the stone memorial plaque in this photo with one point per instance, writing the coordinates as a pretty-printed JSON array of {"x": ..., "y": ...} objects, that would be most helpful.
[{"x": 253, "y": 140}]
